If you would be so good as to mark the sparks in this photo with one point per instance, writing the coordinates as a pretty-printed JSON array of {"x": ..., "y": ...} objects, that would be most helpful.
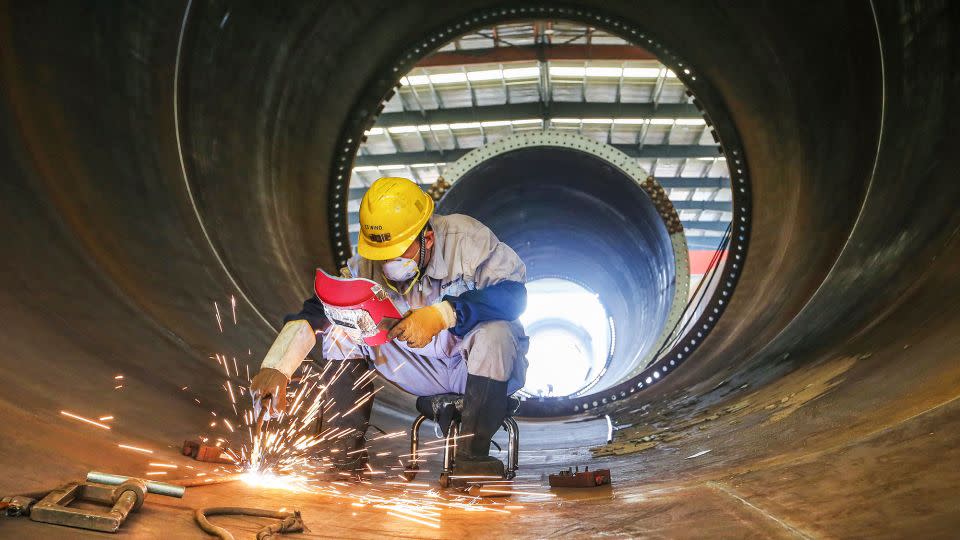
[
  {"x": 223, "y": 362},
  {"x": 135, "y": 448},
  {"x": 164, "y": 465},
  {"x": 105, "y": 418},
  {"x": 274, "y": 481},
  {"x": 233, "y": 308},
  {"x": 87, "y": 420},
  {"x": 217, "y": 310},
  {"x": 417, "y": 520},
  {"x": 511, "y": 492},
  {"x": 449, "y": 438}
]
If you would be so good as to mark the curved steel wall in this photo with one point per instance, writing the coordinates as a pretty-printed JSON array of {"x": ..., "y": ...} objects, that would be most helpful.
[{"x": 844, "y": 112}]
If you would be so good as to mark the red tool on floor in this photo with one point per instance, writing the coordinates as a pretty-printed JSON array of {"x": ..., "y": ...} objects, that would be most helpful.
[
  {"x": 576, "y": 479},
  {"x": 205, "y": 452}
]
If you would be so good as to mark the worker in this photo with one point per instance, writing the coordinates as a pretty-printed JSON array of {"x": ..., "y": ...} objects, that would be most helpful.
[{"x": 461, "y": 290}]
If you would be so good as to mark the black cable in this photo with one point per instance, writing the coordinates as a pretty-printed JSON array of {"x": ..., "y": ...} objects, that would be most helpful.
[{"x": 712, "y": 268}]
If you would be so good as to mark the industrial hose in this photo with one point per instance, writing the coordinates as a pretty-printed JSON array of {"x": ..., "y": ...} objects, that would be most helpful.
[{"x": 290, "y": 521}]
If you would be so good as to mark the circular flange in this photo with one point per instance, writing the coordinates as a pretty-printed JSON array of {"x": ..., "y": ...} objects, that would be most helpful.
[
  {"x": 705, "y": 96},
  {"x": 625, "y": 164}
]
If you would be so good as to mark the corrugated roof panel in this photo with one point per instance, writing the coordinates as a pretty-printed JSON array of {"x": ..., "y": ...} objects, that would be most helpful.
[
  {"x": 524, "y": 93},
  {"x": 492, "y": 84},
  {"x": 489, "y": 94},
  {"x": 399, "y": 103},
  {"x": 455, "y": 97},
  {"x": 636, "y": 92},
  {"x": 602, "y": 92},
  {"x": 668, "y": 167},
  {"x": 719, "y": 168},
  {"x": 566, "y": 91},
  {"x": 685, "y": 134},
  {"x": 469, "y": 138},
  {"x": 409, "y": 142},
  {"x": 673, "y": 92},
  {"x": 706, "y": 137},
  {"x": 625, "y": 134}
]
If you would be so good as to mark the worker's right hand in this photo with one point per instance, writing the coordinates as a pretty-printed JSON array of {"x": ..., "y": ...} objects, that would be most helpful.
[{"x": 270, "y": 383}]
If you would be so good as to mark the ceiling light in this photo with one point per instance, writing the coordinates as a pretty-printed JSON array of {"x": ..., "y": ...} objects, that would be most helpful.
[
  {"x": 567, "y": 71},
  {"x": 603, "y": 72},
  {"x": 485, "y": 75},
  {"x": 521, "y": 73},
  {"x": 448, "y": 78},
  {"x": 597, "y": 120},
  {"x": 415, "y": 80},
  {"x": 641, "y": 73}
]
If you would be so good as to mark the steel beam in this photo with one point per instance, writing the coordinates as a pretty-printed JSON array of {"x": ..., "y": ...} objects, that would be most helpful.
[
  {"x": 705, "y": 182},
  {"x": 693, "y": 242},
  {"x": 649, "y": 151},
  {"x": 558, "y": 109},
  {"x": 527, "y": 53},
  {"x": 721, "y": 226}
]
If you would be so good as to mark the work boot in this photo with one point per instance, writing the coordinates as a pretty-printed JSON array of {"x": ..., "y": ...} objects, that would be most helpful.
[
  {"x": 344, "y": 454},
  {"x": 345, "y": 469},
  {"x": 484, "y": 408}
]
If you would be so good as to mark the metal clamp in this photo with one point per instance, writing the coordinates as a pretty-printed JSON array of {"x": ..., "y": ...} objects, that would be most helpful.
[{"x": 122, "y": 494}]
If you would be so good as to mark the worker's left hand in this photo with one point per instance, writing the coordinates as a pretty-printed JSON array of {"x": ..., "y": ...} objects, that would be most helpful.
[
  {"x": 269, "y": 389},
  {"x": 419, "y": 326}
]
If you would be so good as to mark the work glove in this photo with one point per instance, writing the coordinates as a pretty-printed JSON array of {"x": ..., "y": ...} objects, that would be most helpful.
[
  {"x": 269, "y": 385},
  {"x": 295, "y": 340},
  {"x": 419, "y": 326}
]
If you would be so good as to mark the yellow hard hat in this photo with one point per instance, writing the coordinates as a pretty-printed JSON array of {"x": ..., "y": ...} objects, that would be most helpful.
[{"x": 392, "y": 213}]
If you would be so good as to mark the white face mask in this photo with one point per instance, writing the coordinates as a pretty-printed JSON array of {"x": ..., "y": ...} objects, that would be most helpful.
[{"x": 400, "y": 269}]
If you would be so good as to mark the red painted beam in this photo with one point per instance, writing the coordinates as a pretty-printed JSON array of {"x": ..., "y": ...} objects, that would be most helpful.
[
  {"x": 700, "y": 260},
  {"x": 521, "y": 53}
]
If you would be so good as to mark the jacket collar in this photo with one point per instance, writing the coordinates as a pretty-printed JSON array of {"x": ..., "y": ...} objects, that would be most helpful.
[{"x": 437, "y": 267}]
